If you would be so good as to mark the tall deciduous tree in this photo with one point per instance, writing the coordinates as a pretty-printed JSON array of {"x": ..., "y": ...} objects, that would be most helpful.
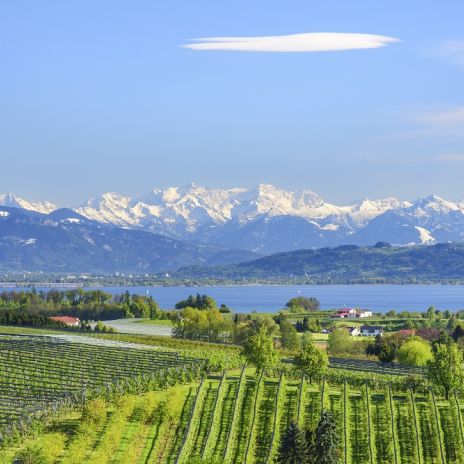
[
  {"x": 446, "y": 367},
  {"x": 339, "y": 342},
  {"x": 310, "y": 360},
  {"x": 415, "y": 352},
  {"x": 259, "y": 350},
  {"x": 289, "y": 336}
]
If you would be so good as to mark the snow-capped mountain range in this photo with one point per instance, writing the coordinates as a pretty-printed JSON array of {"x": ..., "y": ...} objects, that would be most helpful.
[{"x": 266, "y": 219}]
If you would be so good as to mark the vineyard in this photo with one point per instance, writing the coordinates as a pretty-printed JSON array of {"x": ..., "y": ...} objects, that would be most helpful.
[
  {"x": 40, "y": 375},
  {"x": 240, "y": 417}
]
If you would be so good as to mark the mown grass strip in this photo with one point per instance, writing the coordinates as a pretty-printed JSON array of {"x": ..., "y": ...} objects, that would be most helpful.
[
  {"x": 232, "y": 432},
  {"x": 345, "y": 425},
  {"x": 393, "y": 428},
  {"x": 205, "y": 418},
  {"x": 369, "y": 428},
  {"x": 437, "y": 422},
  {"x": 383, "y": 437},
  {"x": 359, "y": 448},
  {"x": 214, "y": 427},
  {"x": 192, "y": 426},
  {"x": 249, "y": 450},
  {"x": 226, "y": 413},
  {"x": 301, "y": 397},
  {"x": 419, "y": 451},
  {"x": 278, "y": 407}
]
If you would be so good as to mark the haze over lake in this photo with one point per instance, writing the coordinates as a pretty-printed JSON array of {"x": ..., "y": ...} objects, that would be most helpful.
[{"x": 271, "y": 298}]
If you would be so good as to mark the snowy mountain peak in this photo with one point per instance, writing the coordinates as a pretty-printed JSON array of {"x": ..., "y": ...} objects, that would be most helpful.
[
  {"x": 13, "y": 201},
  {"x": 268, "y": 218},
  {"x": 433, "y": 204}
]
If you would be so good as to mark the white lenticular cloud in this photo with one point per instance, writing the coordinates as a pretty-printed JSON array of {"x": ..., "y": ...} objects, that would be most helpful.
[{"x": 308, "y": 42}]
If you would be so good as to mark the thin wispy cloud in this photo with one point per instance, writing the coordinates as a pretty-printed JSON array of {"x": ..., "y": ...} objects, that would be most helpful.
[
  {"x": 307, "y": 42},
  {"x": 451, "y": 158},
  {"x": 452, "y": 50},
  {"x": 441, "y": 121}
]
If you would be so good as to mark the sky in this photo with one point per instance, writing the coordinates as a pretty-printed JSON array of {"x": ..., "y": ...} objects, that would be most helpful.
[{"x": 349, "y": 99}]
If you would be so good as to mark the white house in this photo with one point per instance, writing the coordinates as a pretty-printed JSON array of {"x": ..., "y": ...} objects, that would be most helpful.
[
  {"x": 354, "y": 331},
  {"x": 345, "y": 313},
  {"x": 371, "y": 330},
  {"x": 363, "y": 313}
]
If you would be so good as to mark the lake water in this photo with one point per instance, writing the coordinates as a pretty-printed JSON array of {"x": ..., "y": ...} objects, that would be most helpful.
[{"x": 271, "y": 298}]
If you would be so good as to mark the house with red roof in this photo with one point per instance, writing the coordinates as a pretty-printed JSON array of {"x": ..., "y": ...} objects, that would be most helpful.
[{"x": 68, "y": 320}]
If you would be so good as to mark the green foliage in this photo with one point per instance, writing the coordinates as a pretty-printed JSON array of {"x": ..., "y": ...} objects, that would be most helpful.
[
  {"x": 302, "y": 303},
  {"x": 385, "y": 347},
  {"x": 339, "y": 342},
  {"x": 414, "y": 352},
  {"x": 32, "y": 308},
  {"x": 293, "y": 446},
  {"x": 327, "y": 441},
  {"x": 446, "y": 367},
  {"x": 100, "y": 327},
  {"x": 197, "y": 302},
  {"x": 259, "y": 350},
  {"x": 311, "y": 361},
  {"x": 46, "y": 450},
  {"x": 94, "y": 412},
  {"x": 202, "y": 324},
  {"x": 289, "y": 336},
  {"x": 350, "y": 264}
]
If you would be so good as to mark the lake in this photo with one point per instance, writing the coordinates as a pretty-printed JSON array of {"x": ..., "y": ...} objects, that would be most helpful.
[{"x": 271, "y": 298}]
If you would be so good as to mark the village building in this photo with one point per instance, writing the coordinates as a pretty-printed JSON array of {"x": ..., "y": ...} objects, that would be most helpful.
[
  {"x": 354, "y": 331},
  {"x": 371, "y": 330},
  {"x": 351, "y": 313},
  {"x": 68, "y": 320}
]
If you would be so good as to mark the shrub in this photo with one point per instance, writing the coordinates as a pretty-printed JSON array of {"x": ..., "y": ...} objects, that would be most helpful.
[
  {"x": 94, "y": 413},
  {"x": 45, "y": 451}
]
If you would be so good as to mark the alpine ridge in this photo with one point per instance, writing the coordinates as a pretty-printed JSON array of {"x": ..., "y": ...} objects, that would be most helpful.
[{"x": 267, "y": 219}]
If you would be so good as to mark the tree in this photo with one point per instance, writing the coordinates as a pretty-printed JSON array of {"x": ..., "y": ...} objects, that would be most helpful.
[
  {"x": 292, "y": 449},
  {"x": 339, "y": 341},
  {"x": 327, "y": 441},
  {"x": 385, "y": 348},
  {"x": 197, "y": 302},
  {"x": 303, "y": 303},
  {"x": 199, "y": 324},
  {"x": 445, "y": 369},
  {"x": 414, "y": 352},
  {"x": 259, "y": 350},
  {"x": 289, "y": 336},
  {"x": 311, "y": 361},
  {"x": 458, "y": 332}
]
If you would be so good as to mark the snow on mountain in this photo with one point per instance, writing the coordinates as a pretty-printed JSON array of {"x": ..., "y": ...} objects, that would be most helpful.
[
  {"x": 268, "y": 219},
  {"x": 11, "y": 200},
  {"x": 425, "y": 236},
  {"x": 361, "y": 213}
]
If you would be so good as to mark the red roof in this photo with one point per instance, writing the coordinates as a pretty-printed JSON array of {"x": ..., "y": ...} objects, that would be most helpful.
[
  {"x": 407, "y": 332},
  {"x": 66, "y": 319}
]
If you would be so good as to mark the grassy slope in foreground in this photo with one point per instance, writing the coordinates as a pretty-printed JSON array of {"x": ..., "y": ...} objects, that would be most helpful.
[{"x": 173, "y": 425}]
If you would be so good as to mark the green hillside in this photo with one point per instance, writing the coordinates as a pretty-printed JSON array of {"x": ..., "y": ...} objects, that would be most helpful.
[{"x": 348, "y": 264}]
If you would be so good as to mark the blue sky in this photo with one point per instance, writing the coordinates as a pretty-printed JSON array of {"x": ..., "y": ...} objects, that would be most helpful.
[{"x": 100, "y": 96}]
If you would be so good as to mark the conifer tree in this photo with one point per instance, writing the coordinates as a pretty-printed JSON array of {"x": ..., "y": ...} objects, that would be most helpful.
[
  {"x": 292, "y": 449},
  {"x": 327, "y": 441}
]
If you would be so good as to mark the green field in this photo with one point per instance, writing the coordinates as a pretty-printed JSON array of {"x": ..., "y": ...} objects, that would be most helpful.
[
  {"x": 240, "y": 417},
  {"x": 43, "y": 374}
]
